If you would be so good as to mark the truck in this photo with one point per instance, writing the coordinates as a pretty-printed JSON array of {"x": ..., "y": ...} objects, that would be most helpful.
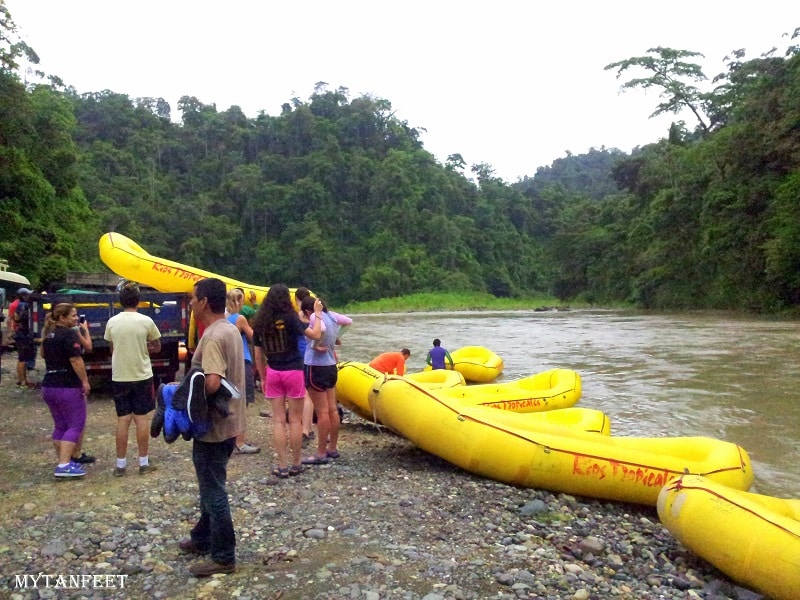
[{"x": 169, "y": 311}]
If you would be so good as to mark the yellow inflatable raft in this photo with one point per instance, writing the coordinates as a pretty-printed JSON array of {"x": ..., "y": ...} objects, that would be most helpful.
[
  {"x": 476, "y": 363},
  {"x": 548, "y": 390},
  {"x": 128, "y": 259},
  {"x": 561, "y": 459},
  {"x": 356, "y": 380},
  {"x": 753, "y": 539}
]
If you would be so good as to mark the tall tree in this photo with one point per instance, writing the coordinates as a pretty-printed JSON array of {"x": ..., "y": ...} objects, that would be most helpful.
[{"x": 667, "y": 70}]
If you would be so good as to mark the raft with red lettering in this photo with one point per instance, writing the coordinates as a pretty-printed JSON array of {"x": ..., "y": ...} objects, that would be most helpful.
[
  {"x": 357, "y": 381},
  {"x": 556, "y": 458},
  {"x": 128, "y": 259},
  {"x": 545, "y": 391},
  {"x": 548, "y": 390},
  {"x": 752, "y": 538}
]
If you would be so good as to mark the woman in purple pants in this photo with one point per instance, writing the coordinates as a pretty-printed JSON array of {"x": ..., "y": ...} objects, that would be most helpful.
[{"x": 65, "y": 385}]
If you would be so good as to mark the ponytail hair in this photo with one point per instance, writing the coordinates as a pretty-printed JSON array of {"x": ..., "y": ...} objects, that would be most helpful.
[
  {"x": 52, "y": 319},
  {"x": 234, "y": 300}
]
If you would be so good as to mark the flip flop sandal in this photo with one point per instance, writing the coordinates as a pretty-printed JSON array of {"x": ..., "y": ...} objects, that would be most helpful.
[
  {"x": 280, "y": 473},
  {"x": 333, "y": 454},
  {"x": 316, "y": 460},
  {"x": 295, "y": 470}
]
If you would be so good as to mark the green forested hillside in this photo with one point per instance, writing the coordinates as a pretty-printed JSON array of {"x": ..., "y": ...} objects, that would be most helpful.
[{"x": 338, "y": 194}]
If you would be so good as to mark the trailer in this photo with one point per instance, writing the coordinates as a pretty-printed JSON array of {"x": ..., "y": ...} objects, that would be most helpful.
[{"x": 170, "y": 312}]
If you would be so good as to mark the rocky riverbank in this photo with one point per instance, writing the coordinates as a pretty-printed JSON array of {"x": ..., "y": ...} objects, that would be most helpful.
[{"x": 384, "y": 521}]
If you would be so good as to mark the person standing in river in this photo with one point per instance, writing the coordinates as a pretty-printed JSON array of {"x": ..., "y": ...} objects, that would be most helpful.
[{"x": 437, "y": 356}]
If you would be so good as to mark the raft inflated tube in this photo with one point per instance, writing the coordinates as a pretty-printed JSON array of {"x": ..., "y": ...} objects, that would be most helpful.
[
  {"x": 754, "y": 539},
  {"x": 128, "y": 259}
]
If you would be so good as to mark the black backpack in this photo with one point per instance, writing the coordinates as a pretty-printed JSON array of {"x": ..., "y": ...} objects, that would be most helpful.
[{"x": 22, "y": 319}]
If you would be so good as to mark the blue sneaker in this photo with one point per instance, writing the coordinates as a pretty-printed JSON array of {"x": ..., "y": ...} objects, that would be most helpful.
[{"x": 71, "y": 470}]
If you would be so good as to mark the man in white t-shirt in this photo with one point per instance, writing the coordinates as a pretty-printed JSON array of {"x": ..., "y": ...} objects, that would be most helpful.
[{"x": 133, "y": 337}]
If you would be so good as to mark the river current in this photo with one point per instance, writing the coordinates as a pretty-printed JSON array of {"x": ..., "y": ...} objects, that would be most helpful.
[{"x": 735, "y": 378}]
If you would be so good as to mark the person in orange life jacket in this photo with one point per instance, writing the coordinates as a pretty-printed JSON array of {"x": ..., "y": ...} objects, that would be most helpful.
[{"x": 391, "y": 363}]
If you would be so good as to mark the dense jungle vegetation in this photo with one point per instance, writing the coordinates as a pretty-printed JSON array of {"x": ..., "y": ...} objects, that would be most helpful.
[{"x": 337, "y": 194}]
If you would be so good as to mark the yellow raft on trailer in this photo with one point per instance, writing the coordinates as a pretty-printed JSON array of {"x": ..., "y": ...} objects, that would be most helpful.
[
  {"x": 476, "y": 363},
  {"x": 753, "y": 539},
  {"x": 128, "y": 259},
  {"x": 556, "y": 458}
]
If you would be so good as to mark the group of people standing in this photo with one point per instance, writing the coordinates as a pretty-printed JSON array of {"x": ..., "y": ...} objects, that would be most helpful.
[
  {"x": 278, "y": 333},
  {"x": 295, "y": 350},
  {"x": 294, "y": 354},
  {"x": 132, "y": 337}
]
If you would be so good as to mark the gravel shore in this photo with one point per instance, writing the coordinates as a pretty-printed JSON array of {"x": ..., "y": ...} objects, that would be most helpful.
[{"x": 384, "y": 521}]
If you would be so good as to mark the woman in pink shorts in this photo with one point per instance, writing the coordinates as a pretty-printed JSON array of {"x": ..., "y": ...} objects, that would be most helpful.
[{"x": 276, "y": 331}]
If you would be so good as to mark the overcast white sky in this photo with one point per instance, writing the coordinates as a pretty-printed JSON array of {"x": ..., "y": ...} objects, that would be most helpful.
[{"x": 512, "y": 83}]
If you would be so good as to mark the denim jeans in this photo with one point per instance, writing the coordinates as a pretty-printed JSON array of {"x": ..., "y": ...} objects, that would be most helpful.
[{"x": 214, "y": 530}]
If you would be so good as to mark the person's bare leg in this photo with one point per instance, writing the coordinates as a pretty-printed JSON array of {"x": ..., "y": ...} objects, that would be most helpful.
[
  {"x": 279, "y": 430},
  {"x": 123, "y": 425},
  {"x": 78, "y": 446},
  {"x": 333, "y": 416},
  {"x": 323, "y": 420},
  {"x": 296, "y": 429},
  {"x": 65, "y": 452},
  {"x": 142, "y": 433},
  {"x": 308, "y": 414}
]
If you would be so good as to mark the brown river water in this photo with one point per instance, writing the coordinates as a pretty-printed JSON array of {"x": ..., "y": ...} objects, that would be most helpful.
[{"x": 735, "y": 378}]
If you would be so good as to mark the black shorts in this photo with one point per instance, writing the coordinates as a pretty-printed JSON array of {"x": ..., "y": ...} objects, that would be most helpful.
[
  {"x": 321, "y": 378},
  {"x": 26, "y": 349},
  {"x": 135, "y": 397}
]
